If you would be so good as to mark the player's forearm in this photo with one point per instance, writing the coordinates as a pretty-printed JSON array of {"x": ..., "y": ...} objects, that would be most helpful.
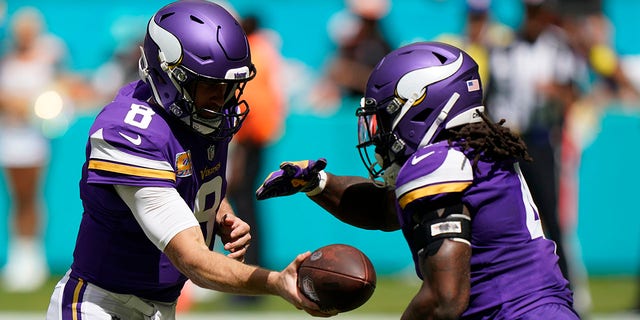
[
  {"x": 425, "y": 305},
  {"x": 221, "y": 273},
  {"x": 213, "y": 270},
  {"x": 444, "y": 294},
  {"x": 228, "y": 275},
  {"x": 358, "y": 202}
]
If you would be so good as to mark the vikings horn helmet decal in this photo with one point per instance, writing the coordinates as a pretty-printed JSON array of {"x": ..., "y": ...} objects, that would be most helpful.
[
  {"x": 412, "y": 95},
  {"x": 415, "y": 83}
]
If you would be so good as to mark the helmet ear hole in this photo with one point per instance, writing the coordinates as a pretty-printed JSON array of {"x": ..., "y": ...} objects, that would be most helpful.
[{"x": 422, "y": 116}]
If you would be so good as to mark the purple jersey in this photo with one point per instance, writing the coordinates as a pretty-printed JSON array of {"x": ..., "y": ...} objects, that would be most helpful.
[
  {"x": 136, "y": 144},
  {"x": 513, "y": 266}
]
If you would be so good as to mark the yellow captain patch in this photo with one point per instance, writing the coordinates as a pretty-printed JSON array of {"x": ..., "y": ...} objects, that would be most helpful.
[
  {"x": 183, "y": 164},
  {"x": 410, "y": 196}
]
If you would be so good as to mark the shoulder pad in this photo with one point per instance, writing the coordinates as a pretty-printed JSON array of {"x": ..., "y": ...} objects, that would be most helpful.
[
  {"x": 432, "y": 170},
  {"x": 131, "y": 134},
  {"x": 132, "y": 126}
]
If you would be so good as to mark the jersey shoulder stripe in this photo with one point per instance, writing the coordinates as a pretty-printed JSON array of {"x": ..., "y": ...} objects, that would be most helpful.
[
  {"x": 419, "y": 193},
  {"x": 106, "y": 157},
  {"x": 130, "y": 170},
  {"x": 445, "y": 170}
]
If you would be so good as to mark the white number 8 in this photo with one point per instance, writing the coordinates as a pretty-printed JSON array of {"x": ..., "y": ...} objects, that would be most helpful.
[
  {"x": 144, "y": 114},
  {"x": 205, "y": 212}
]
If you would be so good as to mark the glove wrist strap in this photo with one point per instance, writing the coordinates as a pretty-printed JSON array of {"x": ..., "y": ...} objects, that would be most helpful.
[{"x": 322, "y": 182}]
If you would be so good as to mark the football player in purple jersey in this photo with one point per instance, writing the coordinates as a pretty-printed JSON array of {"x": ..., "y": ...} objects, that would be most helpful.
[
  {"x": 450, "y": 180},
  {"x": 153, "y": 185}
]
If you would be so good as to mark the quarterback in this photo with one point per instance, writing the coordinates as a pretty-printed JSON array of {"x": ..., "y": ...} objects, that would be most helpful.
[{"x": 153, "y": 184}]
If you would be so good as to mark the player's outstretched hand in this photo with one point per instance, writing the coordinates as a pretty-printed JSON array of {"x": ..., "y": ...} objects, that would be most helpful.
[
  {"x": 293, "y": 177},
  {"x": 287, "y": 285}
]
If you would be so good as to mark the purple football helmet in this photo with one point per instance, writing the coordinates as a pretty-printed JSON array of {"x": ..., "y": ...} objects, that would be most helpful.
[
  {"x": 191, "y": 41},
  {"x": 412, "y": 95}
]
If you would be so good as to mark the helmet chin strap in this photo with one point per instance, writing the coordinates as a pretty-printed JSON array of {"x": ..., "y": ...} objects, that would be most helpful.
[
  {"x": 143, "y": 70},
  {"x": 177, "y": 77},
  {"x": 405, "y": 107},
  {"x": 441, "y": 117}
]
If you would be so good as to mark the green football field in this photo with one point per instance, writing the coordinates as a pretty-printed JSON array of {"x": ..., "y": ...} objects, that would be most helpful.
[{"x": 610, "y": 296}]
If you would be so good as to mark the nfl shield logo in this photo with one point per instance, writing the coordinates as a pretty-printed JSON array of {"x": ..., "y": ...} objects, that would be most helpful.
[{"x": 211, "y": 152}]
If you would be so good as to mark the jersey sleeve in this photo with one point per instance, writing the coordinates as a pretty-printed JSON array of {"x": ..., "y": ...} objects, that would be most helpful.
[
  {"x": 130, "y": 145},
  {"x": 161, "y": 212},
  {"x": 435, "y": 170}
]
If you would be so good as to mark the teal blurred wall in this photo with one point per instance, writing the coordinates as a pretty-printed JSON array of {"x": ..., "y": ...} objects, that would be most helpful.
[
  {"x": 609, "y": 223},
  {"x": 609, "y": 219}
]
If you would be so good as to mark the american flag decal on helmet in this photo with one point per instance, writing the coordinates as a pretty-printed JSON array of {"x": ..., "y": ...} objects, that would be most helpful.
[{"x": 473, "y": 85}]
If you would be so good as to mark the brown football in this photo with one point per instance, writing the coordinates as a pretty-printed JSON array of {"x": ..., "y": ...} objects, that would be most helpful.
[{"x": 337, "y": 277}]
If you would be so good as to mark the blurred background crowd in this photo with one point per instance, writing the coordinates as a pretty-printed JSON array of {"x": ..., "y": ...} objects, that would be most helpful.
[{"x": 565, "y": 74}]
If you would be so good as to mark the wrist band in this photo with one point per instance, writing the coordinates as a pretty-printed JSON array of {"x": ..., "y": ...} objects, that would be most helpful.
[{"x": 322, "y": 176}]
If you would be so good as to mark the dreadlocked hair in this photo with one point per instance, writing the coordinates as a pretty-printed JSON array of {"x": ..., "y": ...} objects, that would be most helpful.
[{"x": 488, "y": 140}]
